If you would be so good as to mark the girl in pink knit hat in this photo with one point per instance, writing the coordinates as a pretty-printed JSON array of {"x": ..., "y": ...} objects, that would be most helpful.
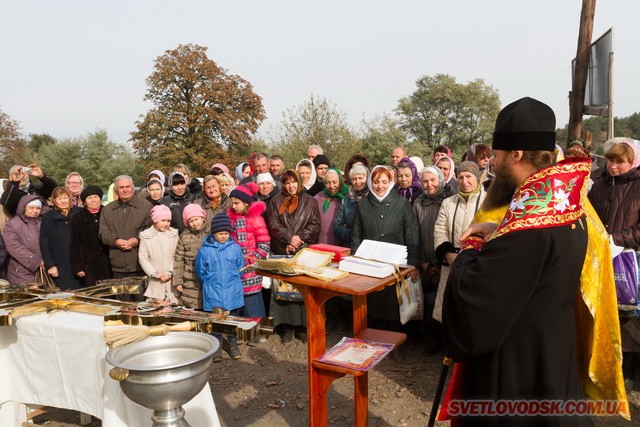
[{"x": 157, "y": 248}]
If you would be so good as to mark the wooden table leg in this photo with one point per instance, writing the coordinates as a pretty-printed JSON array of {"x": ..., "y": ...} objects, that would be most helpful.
[{"x": 361, "y": 383}]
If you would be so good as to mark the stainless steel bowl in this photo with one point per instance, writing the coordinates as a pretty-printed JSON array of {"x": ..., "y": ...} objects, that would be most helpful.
[{"x": 164, "y": 372}]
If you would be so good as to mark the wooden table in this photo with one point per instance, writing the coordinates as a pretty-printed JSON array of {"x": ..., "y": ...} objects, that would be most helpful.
[{"x": 315, "y": 293}]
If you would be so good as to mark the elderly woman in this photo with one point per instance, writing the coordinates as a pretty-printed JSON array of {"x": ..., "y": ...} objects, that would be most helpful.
[
  {"x": 616, "y": 199},
  {"x": 266, "y": 187},
  {"x": 54, "y": 240},
  {"x": 214, "y": 201},
  {"x": 354, "y": 160},
  {"x": 294, "y": 223},
  {"x": 385, "y": 216},
  {"x": 329, "y": 201},
  {"x": 343, "y": 224},
  {"x": 448, "y": 168},
  {"x": 408, "y": 180},
  {"x": 307, "y": 172},
  {"x": 21, "y": 238},
  {"x": 75, "y": 184},
  {"x": 89, "y": 255},
  {"x": 426, "y": 208},
  {"x": 454, "y": 216}
]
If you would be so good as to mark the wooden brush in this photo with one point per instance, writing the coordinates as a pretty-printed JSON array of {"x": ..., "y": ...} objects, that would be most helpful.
[{"x": 115, "y": 336}]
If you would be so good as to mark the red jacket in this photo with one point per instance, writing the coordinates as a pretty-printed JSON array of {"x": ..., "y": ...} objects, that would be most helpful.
[{"x": 250, "y": 232}]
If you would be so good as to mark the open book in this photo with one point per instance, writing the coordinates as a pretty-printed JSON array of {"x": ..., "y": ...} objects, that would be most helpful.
[{"x": 375, "y": 259}]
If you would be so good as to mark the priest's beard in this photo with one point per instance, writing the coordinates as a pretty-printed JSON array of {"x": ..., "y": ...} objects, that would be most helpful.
[{"x": 501, "y": 190}]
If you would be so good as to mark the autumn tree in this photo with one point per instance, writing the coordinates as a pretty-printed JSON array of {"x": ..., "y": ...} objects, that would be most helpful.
[
  {"x": 13, "y": 146},
  {"x": 200, "y": 115},
  {"x": 318, "y": 121},
  {"x": 442, "y": 111}
]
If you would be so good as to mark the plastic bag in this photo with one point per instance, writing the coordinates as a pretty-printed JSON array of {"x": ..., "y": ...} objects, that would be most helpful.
[
  {"x": 410, "y": 299},
  {"x": 625, "y": 272}
]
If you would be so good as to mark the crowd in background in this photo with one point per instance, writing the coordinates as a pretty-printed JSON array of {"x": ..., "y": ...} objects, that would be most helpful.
[{"x": 192, "y": 237}]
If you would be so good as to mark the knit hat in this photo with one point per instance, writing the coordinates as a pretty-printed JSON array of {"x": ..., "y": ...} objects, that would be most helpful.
[
  {"x": 321, "y": 159},
  {"x": 220, "y": 222},
  {"x": 526, "y": 124},
  {"x": 192, "y": 210},
  {"x": 245, "y": 192},
  {"x": 470, "y": 167},
  {"x": 160, "y": 212},
  {"x": 92, "y": 190},
  {"x": 265, "y": 177}
]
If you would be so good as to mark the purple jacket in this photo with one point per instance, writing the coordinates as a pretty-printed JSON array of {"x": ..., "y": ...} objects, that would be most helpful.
[
  {"x": 327, "y": 235},
  {"x": 22, "y": 239}
]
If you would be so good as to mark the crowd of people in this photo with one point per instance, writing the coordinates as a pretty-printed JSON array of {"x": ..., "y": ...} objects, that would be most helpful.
[{"x": 193, "y": 238}]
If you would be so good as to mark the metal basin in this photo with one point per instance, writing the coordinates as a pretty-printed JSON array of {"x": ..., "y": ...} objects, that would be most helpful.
[{"x": 164, "y": 372}]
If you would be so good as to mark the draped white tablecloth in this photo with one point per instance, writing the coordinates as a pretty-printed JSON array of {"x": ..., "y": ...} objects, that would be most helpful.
[{"x": 58, "y": 359}]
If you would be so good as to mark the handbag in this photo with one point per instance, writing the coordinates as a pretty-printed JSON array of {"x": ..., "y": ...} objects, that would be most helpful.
[
  {"x": 410, "y": 299},
  {"x": 285, "y": 292},
  {"x": 43, "y": 280},
  {"x": 625, "y": 272}
]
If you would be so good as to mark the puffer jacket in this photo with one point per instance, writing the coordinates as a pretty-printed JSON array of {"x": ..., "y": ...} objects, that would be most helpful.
[
  {"x": 206, "y": 204},
  {"x": 250, "y": 232},
  {"x": 176, "y": 204},
  {"x": 616, "y": 199},
  {"x": 303, "y": 222},
  {"x": 156, "y": 252},
  {"x": 184, "y": 270},
  {"x": 22, "y": 240},
  {"x": 217, "y": 266},
  {"x": 455, "y": 216},
  {"x": 426, "y": 208}
]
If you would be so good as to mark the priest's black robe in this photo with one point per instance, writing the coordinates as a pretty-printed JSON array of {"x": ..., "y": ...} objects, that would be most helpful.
[{"x": 508, "y": 315}]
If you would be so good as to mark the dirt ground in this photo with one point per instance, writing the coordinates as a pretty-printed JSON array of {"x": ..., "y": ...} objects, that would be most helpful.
[{"x": 268, "y": 388}]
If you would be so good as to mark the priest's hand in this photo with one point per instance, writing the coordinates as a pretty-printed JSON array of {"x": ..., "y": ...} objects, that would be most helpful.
[
  {"x": 484, "y": 229},
  {"x": 53, "y": 271}
]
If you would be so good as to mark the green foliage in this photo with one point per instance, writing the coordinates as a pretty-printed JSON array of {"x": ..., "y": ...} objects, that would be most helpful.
[
  {"x": 13, "y": 146},
  {"x": 380, "y": 136},
  {"x": 37, "y": 141},
  {"x": 442, "y": 111},
  {"x": 320, "y": 122},
  {"x": 200, "y": 113},
  {"x": 95, "y": 157}
]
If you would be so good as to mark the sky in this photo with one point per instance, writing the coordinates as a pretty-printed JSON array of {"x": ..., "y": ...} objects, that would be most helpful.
[{"x": 68, "y": 68}]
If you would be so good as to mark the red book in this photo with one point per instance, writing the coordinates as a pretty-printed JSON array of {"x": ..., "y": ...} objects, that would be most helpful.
[{"x": 338, "y": 252}]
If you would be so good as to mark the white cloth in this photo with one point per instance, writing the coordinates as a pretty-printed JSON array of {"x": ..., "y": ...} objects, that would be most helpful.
[{"x": 58, "y": 359}]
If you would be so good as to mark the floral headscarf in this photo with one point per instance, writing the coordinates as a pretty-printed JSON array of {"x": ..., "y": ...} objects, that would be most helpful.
[
  {"x": 407, "y": 193},
  {"x": 342, "y": 190}
]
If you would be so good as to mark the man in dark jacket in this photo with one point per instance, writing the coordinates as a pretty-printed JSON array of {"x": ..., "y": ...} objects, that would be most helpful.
[
  {"x": 509, "y": 303},
  {"x": 121, "y": 222},
  {"x": 20, "y": 185},
  {"x": 260, "y": 164}
]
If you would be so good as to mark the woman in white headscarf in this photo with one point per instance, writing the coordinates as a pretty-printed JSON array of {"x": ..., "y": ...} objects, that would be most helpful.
[
  {"x": 307, "y": 172},
  {"x": 448, "y": 168}
]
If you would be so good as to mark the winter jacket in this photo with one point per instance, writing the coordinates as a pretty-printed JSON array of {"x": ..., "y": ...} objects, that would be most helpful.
[
  {"x": 616, "y": 199},
  {"x": 455, "y": 216},
  {"x": 327, "y": 219},
  {"x": 22, "y": 240},
  {"x": 155, "y": 254},
  {"x": 184, "y": 270},
  {"x": 217, "y": 267},
  {"x": 303, "y": 222},
  {"x": 426, "y": 208},
  {"x": 176, "y": 204},
  {"x": 250, "y": 232},
  {"x": 13, "y": 194},
  {"x": 88, "y": 252},
  {"x": 54, "y": 246},
  {"x": 124, "y": 221},
  {"x": 206, "y": 204},
  {"x": 195, "y": 188}
]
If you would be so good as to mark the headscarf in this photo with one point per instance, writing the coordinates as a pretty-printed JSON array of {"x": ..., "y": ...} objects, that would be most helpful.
[
  {"x": 160, "y": 174},
  {"x": 452, "y": 170},
  {"x": 239, "y": 169},
  {"x": 359, "y": 169},
  {"x": 312, "y": 179},
  {"x": 392, "y": 183},
  {"x": 434, "y": 170},
  {"x": 342, "y": 190},
  {"x": 634, "y": 144},
  {"x": 407, "y": 193},
  {"x": 156, "y": 180},
  {"x": 417, "y": 161},
  {"x": 290, "y": 202}
]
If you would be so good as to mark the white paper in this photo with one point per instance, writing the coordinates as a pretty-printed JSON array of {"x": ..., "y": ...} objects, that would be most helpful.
[{"x": 382, "y": 251}]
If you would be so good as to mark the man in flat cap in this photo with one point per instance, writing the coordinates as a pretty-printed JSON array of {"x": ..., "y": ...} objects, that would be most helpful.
[{"x": 514, "y": 292}]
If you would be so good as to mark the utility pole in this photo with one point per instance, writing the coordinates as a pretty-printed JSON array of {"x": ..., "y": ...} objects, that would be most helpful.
[{"x": 581, "y": 70}]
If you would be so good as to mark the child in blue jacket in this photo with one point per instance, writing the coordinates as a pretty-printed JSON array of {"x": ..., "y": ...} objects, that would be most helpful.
[{"x": 218, "y": 262}]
